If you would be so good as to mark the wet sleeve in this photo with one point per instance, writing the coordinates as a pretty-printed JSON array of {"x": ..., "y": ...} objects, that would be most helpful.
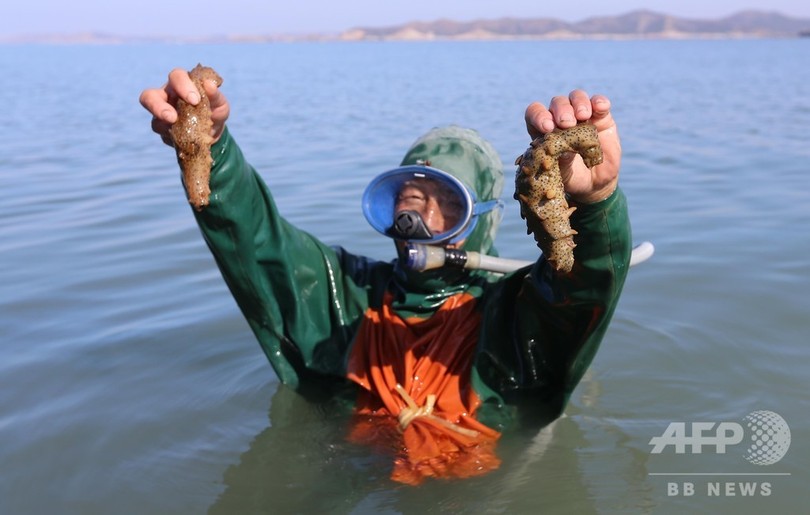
[
  {"x": 542, "y": 328},
  {"x": 291, "y": 288}
]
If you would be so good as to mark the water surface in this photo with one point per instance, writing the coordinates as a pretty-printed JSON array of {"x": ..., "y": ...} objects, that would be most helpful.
[{"x": 131, "y": 384}]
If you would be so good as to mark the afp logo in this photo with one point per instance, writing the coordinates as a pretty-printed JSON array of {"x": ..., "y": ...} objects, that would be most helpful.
[{"x": 766, "y": 436}]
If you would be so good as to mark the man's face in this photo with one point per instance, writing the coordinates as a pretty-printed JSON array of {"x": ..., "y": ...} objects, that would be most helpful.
[{"x": 436, "y": 203}]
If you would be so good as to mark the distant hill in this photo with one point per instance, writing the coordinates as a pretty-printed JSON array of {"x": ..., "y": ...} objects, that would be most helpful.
[
  {"x": 633, "y": 25},
  {"x": 636, "y": 24}
]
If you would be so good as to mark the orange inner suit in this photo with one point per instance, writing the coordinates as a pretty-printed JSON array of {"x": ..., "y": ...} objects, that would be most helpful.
[{"x": 416, "y": 397}]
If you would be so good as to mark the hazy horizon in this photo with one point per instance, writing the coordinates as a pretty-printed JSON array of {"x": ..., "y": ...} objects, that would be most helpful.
[{"x": 149, "y": 18}]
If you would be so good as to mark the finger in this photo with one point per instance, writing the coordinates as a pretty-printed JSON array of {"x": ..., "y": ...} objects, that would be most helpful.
[
  {"x": 156, "y": 102},
  {"x": 219, "y": 104},
  {"x": 600, "y": 106},
  {"x": 220, "y": 109},
  {"x": 163, "y": 129},
  {"x": 581, "y": 105},
  {"x": 563, "y": 112},
  {"x": 215, "y": 97},
  {"x": 167, "y": 139},
  {"x": 181, "y": 85},
  {"x": 538, "y": 120}
]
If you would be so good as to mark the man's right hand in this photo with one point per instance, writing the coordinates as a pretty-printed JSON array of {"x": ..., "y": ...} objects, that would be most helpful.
[{"x": 161, "y": 102}]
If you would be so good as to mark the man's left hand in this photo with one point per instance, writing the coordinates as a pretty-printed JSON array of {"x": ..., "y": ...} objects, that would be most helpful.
[{"x": 584, "y": 185}]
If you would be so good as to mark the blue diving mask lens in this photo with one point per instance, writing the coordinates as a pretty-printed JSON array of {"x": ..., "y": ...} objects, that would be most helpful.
[{"x": 389, "y": 191}]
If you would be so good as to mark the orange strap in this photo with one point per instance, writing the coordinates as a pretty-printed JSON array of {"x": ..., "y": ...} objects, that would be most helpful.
[{"x": 416, "y": 396}]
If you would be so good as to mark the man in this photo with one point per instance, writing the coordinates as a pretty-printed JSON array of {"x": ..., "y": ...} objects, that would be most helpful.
[{"x": 436, "y": 362}]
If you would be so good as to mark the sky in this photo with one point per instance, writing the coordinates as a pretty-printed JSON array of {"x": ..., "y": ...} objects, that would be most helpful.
[{"x": 199, "y": 18}]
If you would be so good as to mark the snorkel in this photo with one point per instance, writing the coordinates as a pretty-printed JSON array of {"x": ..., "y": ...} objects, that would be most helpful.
[{"x": 428, "y": 257}]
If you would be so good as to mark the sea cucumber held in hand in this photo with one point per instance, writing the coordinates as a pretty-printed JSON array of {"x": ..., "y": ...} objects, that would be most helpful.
[
  {"x": 192, "y": 139},
  {"x": 539, "y": 188}
]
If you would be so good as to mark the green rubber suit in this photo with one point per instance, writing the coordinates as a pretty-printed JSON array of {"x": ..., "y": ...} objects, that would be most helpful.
[{"x": 305, "y": 300}]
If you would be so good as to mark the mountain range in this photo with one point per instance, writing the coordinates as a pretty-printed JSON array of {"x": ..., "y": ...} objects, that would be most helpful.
[
  {"x": 641, "y": 24},
  {"x": 636, "y": 24}
]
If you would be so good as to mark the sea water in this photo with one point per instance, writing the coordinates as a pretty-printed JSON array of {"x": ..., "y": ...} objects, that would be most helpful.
[{"x": 131, "y": 383}]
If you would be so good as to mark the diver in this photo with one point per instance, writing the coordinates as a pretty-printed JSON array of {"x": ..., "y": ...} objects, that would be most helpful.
[{"x": 437, "y": 363}]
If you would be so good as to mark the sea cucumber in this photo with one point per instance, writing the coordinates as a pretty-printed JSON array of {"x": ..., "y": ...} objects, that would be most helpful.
[
  {"x": 539, "y": 188},
  {"x": 192, "y": 139}
]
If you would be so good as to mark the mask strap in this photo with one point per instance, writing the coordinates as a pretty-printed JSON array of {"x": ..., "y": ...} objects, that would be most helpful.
[{"x": 489, "y": 205}]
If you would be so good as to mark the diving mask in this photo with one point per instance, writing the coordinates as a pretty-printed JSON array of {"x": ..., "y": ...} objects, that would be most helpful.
[{"x": 396, "y": 202}]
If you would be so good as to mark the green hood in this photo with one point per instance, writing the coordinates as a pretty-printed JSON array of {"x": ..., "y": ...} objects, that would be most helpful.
[
  {"x": 464, "y": 154},
  {"x": 467, "y": 156}
]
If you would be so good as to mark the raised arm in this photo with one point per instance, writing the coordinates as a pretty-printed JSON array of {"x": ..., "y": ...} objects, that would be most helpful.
[
  {"x": 301, "y": 298},
  {"x": 543, "y": 327}
]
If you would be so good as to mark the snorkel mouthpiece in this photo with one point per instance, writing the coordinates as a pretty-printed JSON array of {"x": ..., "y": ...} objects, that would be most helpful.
[
  {"x": 409, "y": 225},
  {"x": 427, "y": 257}
]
